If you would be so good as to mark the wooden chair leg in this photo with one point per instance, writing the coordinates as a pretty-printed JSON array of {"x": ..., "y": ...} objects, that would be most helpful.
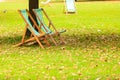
[
  {"x": 46, "y": 41},
  {"x": 19, "y": 44},
  {"x": 23, "y": 37},
  {"x": 61, "y": 39},
  {"x": 53, "y": 40},
  {"x": 39, "y": 42}
]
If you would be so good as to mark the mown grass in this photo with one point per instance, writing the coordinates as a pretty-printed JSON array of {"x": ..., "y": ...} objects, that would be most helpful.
[{"x": 91, "y": 51}]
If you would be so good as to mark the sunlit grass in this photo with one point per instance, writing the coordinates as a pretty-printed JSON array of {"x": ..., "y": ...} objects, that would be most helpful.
[{"x": 91, "y": 51}]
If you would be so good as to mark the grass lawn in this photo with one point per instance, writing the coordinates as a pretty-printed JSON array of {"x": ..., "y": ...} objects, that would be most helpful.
[{"x": 91, "y": 52}]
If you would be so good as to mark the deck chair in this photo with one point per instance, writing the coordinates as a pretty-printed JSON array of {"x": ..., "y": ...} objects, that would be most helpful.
[
  {"x": 70, "y": 6},
  {"x": 36, "y": 35},
  {"x": 50, "y": 28}
]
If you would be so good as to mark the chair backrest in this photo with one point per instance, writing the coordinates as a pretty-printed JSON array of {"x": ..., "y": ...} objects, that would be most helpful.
[
  {"x": 40, "y": 20},
  {"x": 70, "y": 5},
  {"x": 25, "y": 16}
]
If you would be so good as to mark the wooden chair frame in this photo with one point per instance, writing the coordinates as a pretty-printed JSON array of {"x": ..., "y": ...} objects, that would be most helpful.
[
  {"x": 34, "y": 37},
  {"x": 49, "y": 25}
]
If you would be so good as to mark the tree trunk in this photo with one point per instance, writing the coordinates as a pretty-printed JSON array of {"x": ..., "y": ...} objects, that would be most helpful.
[{"x": 33, "y": 4}]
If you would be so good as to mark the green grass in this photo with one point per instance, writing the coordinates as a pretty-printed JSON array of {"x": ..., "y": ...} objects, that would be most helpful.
[{"x": 91, "y": 51}]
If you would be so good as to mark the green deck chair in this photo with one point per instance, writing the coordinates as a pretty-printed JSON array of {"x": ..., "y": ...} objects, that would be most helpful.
[
  {"x": 35, "y": 35},
  {"x": 70, "y": 6},
  {"x": 50, "y": 28}
]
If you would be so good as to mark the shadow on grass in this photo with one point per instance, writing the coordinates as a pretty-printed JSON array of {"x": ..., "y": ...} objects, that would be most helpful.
[
  {"x": 10, "y": 40},
  {"x": 93, "y": 40},
  {"x": 76, "y": 41}
]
